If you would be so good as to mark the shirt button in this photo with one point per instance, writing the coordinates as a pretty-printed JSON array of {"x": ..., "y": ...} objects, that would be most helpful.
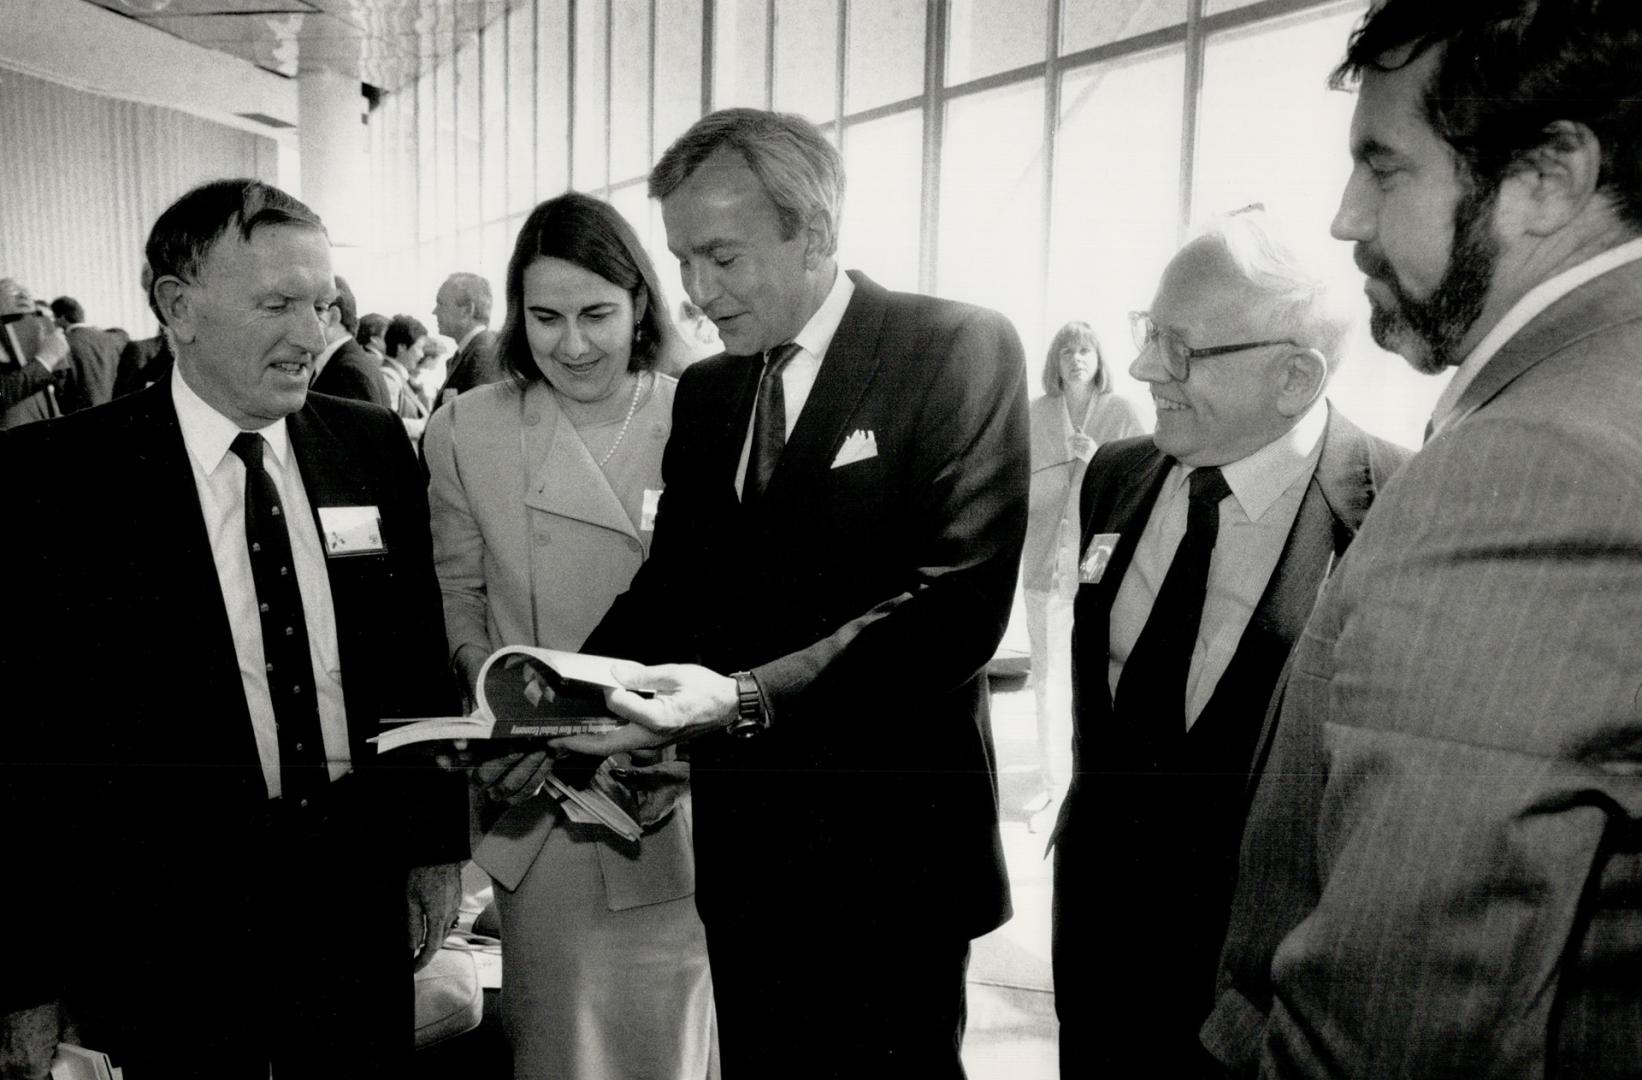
[
  {"x": 542, "y": 538},
  {"x": 532, "y": 419}
]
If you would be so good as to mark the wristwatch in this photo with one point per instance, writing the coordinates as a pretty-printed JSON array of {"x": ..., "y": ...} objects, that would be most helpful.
[{"x": 752, "y": 716}]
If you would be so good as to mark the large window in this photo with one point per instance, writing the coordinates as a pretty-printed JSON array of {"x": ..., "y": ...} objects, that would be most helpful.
[{"x": 1043, "y": 157}]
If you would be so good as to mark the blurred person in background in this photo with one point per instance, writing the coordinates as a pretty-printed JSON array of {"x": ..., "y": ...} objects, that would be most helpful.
[
  {"x": 1076, "y": 414},
  {"x": 405, "y": 341}
]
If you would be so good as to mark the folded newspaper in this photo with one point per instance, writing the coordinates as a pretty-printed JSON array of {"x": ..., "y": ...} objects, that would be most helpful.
[{"x": 524, "y": 693}]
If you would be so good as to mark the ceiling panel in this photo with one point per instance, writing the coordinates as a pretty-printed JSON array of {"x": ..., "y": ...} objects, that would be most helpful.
[{"x": 386, "y": 43}]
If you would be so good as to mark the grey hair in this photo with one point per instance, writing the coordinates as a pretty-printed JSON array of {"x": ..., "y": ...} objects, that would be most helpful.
[
  {"x": 800, "y": 171},
  {"x": 474, "y": 290},
  {"x": 1299, "y": 304}
]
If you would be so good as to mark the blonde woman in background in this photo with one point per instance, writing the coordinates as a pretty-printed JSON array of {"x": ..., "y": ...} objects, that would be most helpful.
[{"x": 1077, "y": 413}]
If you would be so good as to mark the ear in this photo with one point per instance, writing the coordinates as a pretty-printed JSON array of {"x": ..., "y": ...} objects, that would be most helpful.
[
  {"x": 1300, "y": 380},
  {"x": 1555, "y": 181},
  {"x": 815, "y": 233},
  {"x": 171, "y": 296}
]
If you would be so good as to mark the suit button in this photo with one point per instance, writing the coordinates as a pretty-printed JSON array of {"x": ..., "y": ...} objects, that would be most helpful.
[
  {"x": 532, "y": 419},
  {"x": 542, "y": 538},
  {"x": 634, "y": 545}
]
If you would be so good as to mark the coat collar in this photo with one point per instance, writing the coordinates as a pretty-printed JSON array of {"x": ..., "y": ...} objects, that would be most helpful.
[
  {"x": 1606, "y": 301},
  {"x": 563, "y": 477}
]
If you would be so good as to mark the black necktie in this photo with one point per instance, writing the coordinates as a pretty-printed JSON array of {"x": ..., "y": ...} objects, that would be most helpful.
[
  {"x": 1151, "y": 692},
  {"x": 302, "y": 771},
  {"x": 769, "y": 424}
]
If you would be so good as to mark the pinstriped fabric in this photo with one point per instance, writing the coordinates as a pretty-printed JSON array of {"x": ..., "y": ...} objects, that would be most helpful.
[
  {"x": 1443, "y": 871},
  {"x": 84, "y": 178}
]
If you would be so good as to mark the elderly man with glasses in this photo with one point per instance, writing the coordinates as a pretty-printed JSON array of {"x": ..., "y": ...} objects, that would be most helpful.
[{"x": 1202, "y": 550}]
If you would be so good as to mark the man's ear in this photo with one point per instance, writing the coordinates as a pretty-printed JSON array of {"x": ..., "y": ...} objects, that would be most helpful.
[
  {"x": 1300, "y": 381},
  {"x": 1554, "y": 182},
  {"x": 816, "y": 237},
  {"x": 172, "y": 297}
]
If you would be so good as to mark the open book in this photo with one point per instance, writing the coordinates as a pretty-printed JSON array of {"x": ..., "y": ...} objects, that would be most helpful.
[{"x": 524, "y": 693}]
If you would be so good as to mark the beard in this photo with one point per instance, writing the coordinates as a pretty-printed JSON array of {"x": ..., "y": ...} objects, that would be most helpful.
[{"x": 1428, "y": 332}]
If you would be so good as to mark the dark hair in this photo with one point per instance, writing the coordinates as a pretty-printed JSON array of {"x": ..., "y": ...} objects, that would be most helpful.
[
  {"x": 591, "y": 234},
  {"x": 68, "y": 309},
  {"x": 370, "y": 326},
  {"x": 344, "y": 303},
  {"x": 189, "y": 228},
  {"x": 1509, "y": 69},
  {"x": 402, "y": 332},
  {"x": 1074, "y": 334},
  {"x": 800, "y": 171}
]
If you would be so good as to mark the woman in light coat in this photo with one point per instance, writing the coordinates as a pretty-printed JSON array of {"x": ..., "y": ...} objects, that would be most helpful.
[
  {"x": 1077, "y": 413},
  {"x": 543, "y": 491}
]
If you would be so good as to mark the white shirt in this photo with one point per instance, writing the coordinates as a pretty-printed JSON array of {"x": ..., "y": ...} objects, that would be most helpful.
[
  {"x": 798, "y": 377},
  {"x": 219, "y": 477},
  {"x": 1267, "y": 488},
  {"x": 1521, "y": 313}
]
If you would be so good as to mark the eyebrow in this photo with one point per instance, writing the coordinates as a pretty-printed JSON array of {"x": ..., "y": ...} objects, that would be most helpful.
[{"x": 1372, "y": 147}]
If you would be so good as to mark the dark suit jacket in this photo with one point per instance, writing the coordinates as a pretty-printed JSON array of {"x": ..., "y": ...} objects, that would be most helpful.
[
  {"x": 1442, "y": 872},
  {"x": 94, "y": 361},
  {"x": 352, "y": 372},
  {"x": 475, "y": 365},
  {"x": 143, "y": 362},
  {"x": 866, "y": 598},
  {"x": 1146, "y": 844},
  {"x": 131, "y": 764}
]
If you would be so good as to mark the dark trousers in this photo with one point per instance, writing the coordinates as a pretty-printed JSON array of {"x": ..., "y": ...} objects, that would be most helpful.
[
  {"x": 289, "y": 949},
  {"x": 796, "y": 1002}
]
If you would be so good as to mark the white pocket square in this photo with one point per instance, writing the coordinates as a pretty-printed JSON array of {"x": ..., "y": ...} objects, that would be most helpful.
[{"x": 860, "y": 446}]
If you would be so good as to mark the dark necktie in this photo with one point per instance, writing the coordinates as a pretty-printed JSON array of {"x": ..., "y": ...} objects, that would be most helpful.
[
  {"x": 769, "y": 424},
  {"x": 1151, "y": 692},
  {"x": 302, "y": 771}
]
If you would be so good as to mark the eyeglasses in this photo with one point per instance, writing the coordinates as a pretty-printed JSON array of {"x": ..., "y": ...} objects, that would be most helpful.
[{"x": 1177, "y": 355}]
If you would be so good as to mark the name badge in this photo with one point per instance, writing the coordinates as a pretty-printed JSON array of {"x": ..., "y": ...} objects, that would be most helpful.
[
  {"x": 351, "y": 530},
  {"x": 1096, "y": 557},
  {"x": 647, "y": 515}
]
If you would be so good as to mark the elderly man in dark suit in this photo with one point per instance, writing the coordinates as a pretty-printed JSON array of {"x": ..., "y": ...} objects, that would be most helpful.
[
  {"x": 1203, "y": 548},
  {"x": 202, "y": 650},
  {"x": 461, "y": 311},
  {"x": 1442, "y": 872},
  {"x": 834, "y": 559}
]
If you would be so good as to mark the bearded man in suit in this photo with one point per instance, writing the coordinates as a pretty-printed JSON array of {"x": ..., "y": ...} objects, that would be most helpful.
[
  {"x": 835, "y": 555},
  {"x": 1203, "y": 547},
  {"x": 211, "y": 637},
  {"x": 1442, "y": 872}
]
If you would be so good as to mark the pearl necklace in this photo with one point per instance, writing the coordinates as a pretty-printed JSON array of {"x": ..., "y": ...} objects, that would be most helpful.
[{"x": 632, "y": 407}]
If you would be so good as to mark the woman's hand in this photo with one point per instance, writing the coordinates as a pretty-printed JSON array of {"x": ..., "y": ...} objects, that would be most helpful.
[{"x": 513, "y": 778}]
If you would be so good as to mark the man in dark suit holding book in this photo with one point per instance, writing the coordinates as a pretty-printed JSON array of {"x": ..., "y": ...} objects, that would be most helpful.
[
  {"x": 834, "y": 560},
  {"x": 207, "y": 637},
  {"x": 1203, "y": 548}
]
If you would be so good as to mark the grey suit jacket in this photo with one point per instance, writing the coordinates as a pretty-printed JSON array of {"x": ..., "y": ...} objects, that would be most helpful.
[{"x": 1442, "y": 873}]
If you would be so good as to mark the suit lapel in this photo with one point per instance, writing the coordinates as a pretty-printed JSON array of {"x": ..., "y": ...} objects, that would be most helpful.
[
  {"x": 564, "y": 478},
  {"x": 846, "y": 373},
  {"x": 1123, "y": 511}
]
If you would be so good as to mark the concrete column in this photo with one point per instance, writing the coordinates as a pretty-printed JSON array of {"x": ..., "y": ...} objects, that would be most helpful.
[{"x": 334, "y": 150}]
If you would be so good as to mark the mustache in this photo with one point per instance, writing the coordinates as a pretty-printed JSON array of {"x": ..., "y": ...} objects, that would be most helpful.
[{"x": 1373, "y": 263}]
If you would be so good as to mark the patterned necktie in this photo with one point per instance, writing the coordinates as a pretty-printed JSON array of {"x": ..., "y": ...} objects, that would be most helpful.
[
  {"x": 769, "y": 424},
  {"x": 302, "y": 770},
  {"x": 1151, "y": 692}
]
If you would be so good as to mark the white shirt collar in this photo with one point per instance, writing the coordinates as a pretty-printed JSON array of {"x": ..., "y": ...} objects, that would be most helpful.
[
  {"x": 818, "y": 333},
  {"x": 469, "y": 336},
  {"x": 1521, "y": 313},
  {"x": 1259, "y": 480},
  {"x": 207, "y": 433}
]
